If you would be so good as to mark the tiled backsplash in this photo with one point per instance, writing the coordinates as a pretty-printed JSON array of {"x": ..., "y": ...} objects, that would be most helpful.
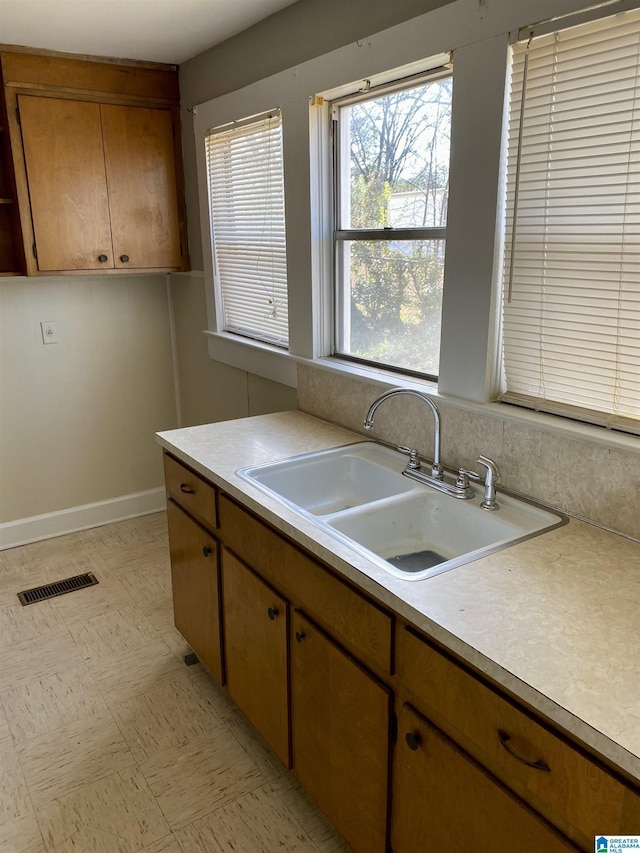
[{"x": 571, "y": 473}]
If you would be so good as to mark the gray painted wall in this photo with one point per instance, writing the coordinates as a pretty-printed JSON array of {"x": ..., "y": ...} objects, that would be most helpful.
[
  {"x": 297, "y": 33},
  {"x": 212, "y": 391}
]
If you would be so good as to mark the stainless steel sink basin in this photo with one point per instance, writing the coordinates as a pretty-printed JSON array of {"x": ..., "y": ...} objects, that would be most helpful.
[{"x": 358, "y": 494}]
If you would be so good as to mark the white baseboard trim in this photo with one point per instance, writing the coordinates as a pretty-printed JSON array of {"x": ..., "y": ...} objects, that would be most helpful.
[{"x": 22, "y": 531}]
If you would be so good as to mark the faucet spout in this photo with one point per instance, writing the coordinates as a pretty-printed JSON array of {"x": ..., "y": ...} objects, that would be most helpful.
[{"x": 394, "y": 392}]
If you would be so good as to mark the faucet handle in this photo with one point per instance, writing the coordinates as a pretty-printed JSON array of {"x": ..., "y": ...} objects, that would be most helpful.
[
  {"x": 414, "y": 462},
  {"x": 464, "y": 476},
  {"x": 462, "y": 487}
]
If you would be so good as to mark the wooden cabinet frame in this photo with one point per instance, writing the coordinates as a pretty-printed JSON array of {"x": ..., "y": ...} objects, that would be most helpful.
[
  {"x": 12, "y": 260},
  {"x": 47, "y": 75}
]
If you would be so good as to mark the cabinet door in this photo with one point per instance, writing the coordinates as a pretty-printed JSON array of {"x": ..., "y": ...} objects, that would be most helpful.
[
  {"x": 443, "y": 800},
  {"x": 67, "y": 183},
  {"x": 139, "y": 157},
  {"x": 255, "y": 635},
  {"x": 340, "y": 736},
  {"x": 194, "y": 578}
]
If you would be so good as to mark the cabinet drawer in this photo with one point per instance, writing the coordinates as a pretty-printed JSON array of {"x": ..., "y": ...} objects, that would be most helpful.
[
  {"x": 559, "y": 781},
  {"x": 363, "y": 628},
  {"x": 441, "y": 793},
  {"x": 191, "y": 492}
]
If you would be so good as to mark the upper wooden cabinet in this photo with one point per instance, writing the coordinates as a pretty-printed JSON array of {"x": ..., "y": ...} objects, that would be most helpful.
[
  {"x": 102, "y": 184},
  {"x": 141, "y": 184},
  {"x": 98, "y": 171},
  {"x": 67, "y": 183}
]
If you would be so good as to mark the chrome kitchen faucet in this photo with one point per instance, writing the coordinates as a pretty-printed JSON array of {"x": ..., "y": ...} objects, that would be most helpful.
[{"x": 458, "y": 488}]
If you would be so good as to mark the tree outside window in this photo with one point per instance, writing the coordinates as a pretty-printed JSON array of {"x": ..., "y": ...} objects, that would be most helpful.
[{"x": 392, "y": 191}]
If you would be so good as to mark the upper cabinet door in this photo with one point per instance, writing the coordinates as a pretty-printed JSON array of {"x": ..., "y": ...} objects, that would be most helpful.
[
  {"x": 67, "y": 183},
  {"x": 139, "y": 158}
]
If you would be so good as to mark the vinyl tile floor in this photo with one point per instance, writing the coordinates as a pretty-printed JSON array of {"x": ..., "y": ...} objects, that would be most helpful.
[{"x": 109, "y": 743}]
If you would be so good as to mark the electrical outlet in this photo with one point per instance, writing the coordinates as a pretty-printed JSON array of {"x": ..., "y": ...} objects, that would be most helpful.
[{"x": 49, "y": 334}]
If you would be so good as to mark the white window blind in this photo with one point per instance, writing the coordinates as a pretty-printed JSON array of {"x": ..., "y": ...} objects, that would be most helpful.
[
  {"x": 571, "y": 313},
  {"x": 246, "y": 193}
]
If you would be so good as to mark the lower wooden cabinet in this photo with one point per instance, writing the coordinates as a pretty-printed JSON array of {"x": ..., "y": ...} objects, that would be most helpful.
[
  {"x": 256, "y": 652},
  {"x": 308, "y": 660},
  {"x": 340, "y": 719},
  {"x": 560, "y": 782},
  {"x": 364, "y": 628},
  {"x": 195, "y": 582},
  {"x": 443, "y": 800}
]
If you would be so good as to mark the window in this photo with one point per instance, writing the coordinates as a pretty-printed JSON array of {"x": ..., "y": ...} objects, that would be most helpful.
[
  {"x": 391, "y": 156},
  {"x": 572, "y": 248},
  {"x": 246, "y": 194}
]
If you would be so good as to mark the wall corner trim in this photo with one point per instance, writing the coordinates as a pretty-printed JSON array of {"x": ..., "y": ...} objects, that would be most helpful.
[{"x": 22, "y": 531}]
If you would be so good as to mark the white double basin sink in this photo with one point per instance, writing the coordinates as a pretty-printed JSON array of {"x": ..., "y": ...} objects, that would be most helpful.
[{"x": 359, "y": 495}]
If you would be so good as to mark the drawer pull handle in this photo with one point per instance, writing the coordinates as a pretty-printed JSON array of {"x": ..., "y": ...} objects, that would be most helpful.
[
  {"x": 187, "y": 490},
  {"x": 505, "y": 739},
  {"x": 272, "y": 612},
  {"x": 206, "y": 551},
  {"x": 413, "y": 740},
  {"x": 300, "y": 635}
]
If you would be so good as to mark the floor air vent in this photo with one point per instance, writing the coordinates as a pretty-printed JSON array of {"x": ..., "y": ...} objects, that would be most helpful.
[{"x": 50, "y": 590}]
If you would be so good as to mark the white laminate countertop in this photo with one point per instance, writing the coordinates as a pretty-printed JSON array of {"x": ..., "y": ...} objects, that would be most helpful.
[{"x": 555, "y": 620}]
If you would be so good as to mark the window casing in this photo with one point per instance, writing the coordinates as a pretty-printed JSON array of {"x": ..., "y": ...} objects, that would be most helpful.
[
  {"x": 469, "y": 353},
  {"x": 391, "y": 170},
  {"x": 246, "y": 196},
  {"x": 571, "y": 314}
]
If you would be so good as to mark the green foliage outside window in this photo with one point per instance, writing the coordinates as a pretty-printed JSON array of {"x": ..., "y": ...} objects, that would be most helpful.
[{"x": 398, "y": 178}]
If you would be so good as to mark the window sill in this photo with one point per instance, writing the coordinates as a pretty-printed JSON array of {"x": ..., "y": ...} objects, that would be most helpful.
[
  {"x": 253, "y": 356},
  {"x": 384, "y": 378}
]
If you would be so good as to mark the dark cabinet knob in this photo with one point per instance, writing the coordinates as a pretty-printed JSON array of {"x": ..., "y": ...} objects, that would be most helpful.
[
  {"x": 187, "y": 490},
  {"x": 103, "y": 259},
  {"x": 272, "y": 613},
  {"x": 413, "y": 740},
  {"x": 300, "y": 635},
  {"x": 124, "y": 258},
  {"x": 206, "y": 551}
]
